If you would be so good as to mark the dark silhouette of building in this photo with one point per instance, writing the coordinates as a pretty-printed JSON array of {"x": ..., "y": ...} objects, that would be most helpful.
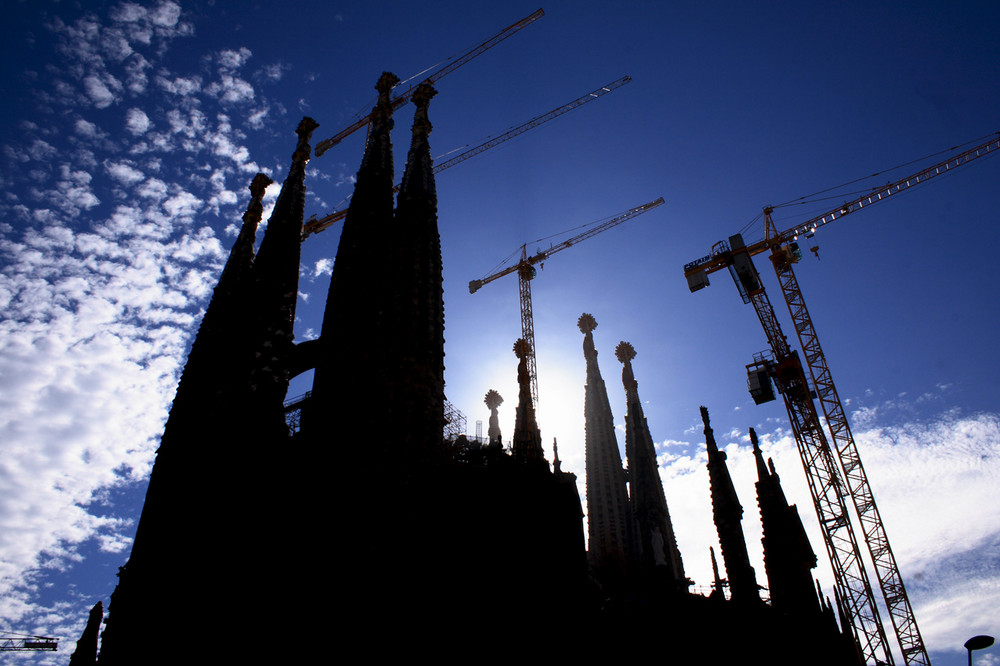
[
  {"x": 728, "y": 514},
  {"x": 660, "y": 564},
  {"x": 610, "y": 525},
  {"x": 788, "y": 557},
  {"x": 363, "y": 528},
  {"x": 86, "y": 647}
]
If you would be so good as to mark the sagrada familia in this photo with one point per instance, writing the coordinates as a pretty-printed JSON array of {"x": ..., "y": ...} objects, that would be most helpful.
[{"x": 367, "y": 532}]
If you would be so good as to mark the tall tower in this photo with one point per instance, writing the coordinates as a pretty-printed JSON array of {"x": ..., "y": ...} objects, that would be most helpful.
[
  {"x": 276, "y": 284},
  {"x": 527, "y": 440},
  {"x": 788, "y": 557},
  {"x": 659, "y": 559},
  {"x": 349, "y": 395},
  {"x": 609, "y": 518},
  {"x": 197, "y": 536},
  {"x": 493, "y": 401},
  {"x": 728, "y": 515},
  {"x": 411, "y": 331}
]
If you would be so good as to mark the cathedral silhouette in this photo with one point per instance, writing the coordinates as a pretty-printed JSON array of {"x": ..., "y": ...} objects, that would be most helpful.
[{"x": 364, "y": 528}]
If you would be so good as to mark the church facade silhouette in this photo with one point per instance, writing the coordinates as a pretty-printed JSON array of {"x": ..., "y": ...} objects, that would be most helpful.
[{"x": 257, "y": 543}]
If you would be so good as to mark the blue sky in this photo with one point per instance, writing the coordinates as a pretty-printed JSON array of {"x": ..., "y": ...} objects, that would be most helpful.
[{"x": 131, "y": 131}]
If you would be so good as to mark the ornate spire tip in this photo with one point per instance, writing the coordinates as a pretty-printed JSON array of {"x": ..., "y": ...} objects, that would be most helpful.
[
  {"x": 493, "y": 399},
  {"x": 423, "y": 94},
  {"x": 624, "y": 352},
  {"x": 386, "y": 83},
  {"x": 306, "y": 127},
  {"x": 522, "y": 348},
  {"x": 586, "y": 323},
  {"x": 258, "y": 185}
]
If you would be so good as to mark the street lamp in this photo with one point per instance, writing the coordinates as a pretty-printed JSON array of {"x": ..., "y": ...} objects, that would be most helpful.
[{"x": 977, "y": 643}]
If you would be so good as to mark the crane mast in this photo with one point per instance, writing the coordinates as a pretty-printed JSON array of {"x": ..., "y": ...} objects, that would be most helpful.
[
  {"x": 402, "y": 98},
  {"x": 825, "y": 483},
  {"x": 784, "y": 253},
  {"x": 886, "y": 570},
  {"x": 525, "y": 269},
  {"x": 314, "y": 225}
]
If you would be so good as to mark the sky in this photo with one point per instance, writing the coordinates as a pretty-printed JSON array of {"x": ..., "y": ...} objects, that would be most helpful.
[{"x": 131, "y": 130}]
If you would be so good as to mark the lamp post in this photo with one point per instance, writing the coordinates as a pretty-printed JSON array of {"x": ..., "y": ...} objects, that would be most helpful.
[{"x": 977, "y": 643}]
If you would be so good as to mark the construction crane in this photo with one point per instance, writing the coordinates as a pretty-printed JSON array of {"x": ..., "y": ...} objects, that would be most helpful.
[
  {"x": 525, "y": 269},
  {"x": 14, "y": 642},
  {"x": 402, "y": 98},
  {"x": 785, "y": 369},
  {"x": 314, "y": 225}
]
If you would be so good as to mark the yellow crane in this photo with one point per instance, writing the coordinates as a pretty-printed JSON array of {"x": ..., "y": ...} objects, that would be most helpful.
[
  {"x": 525, "y": 269},
  {"x": 315, "y": 225},
  {"x": 784, "y": 367},
  {"x": 402, "y": 98}
]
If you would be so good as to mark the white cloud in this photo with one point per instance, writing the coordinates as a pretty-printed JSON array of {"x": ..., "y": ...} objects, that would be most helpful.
[
  {"x": 231, "y": 89},
  {"x": 323, "y": 267},
  {"x": 274, "y": 72},
  {"x": 86, "y": 129},
  {"x": 166, "y": 15},
  {"x": 179, "y": 85},
  {"x": 256, "y": 118},
  {"x": 98, "y": 91},
  {"x": 234, "y": 59},
  {"x": 42, "y": 150},
  {"x": 124, "y": 172},
  {"x": 136, "y": 121}
]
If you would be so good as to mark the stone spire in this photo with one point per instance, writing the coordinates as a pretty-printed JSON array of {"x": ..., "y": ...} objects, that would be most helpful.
[
  {"x": 493, "y": 401},
  {"x": 86, "y": 648},
  {"x": 660, "y": 559},
  {"x": 192, "y": 481},
  {"x": 609, "y": 518},
  {"x": 527, "y": 440},
  {"x": 217, "y": 360},
  {"x": 276, "y": 283},
  {"x": 788, "y": 557},
  {"x": 413, "y": 332},
  {"x": 238, "y": 267},
  {"x": 718, "y": 586},
  {"x": 728, "y": 514},
  {"x": 348, "y": 393}
]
